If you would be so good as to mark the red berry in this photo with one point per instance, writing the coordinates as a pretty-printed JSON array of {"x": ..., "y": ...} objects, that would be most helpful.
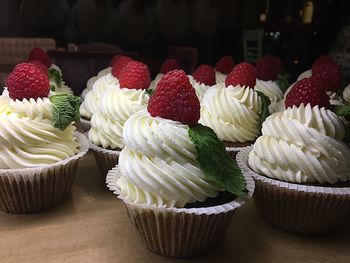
[
  {"x": 321, "y": 60},
  {"x": 268, "y": 67},
  {"x": 307, "y": 91},
  {"x": 205, "y": 74},
  {"x": 40, "y": 55},
  {"x": 118, "y": 63},
  {"x": 225, "y": 64},
  {"x": 175, "y": 99},
  {"x": 169, "y": 65},
  {"x": 135, "y": 75},
  {"x": 39, "y": 65},
  {"x": 243, "y": 74},
  {"x": 328, "y": 75},
  {"x": 27, "y": 81}
]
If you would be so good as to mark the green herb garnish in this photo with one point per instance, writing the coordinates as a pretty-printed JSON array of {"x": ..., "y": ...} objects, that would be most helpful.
[
  {"x": 65, "y": 110},
  {"x": 265, "y": 103},
  {"x": 55, "y": 76},
  {"x": 215, "y": 162},
  {"x": 282, "y": 82}
]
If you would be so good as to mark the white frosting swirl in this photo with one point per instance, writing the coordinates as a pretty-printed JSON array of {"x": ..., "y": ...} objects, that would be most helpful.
[
  {"x": 92, "y": 98},
  {"x": 220, "y": 77},
  {"x": 305, "y": 74},
  {"x": 28, "y": 137},
  {"x": 92, "y": 80},
  {"x": 116, "y": 106},
  {"x": 154, "y": 82},
  {"x": 346, "y": 93},
  {"x": 232, "y": 112},
  {"x": 199, "y": 87},
  {"x": 270, "y": 89},
  {"x": 302, "y": 145},
  {"x": 158, "y": 165}
]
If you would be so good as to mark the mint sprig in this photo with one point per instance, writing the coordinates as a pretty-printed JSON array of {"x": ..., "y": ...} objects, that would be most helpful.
[
  {"x": 265, "y": 103},
  {"x": 215, "y": 162},
  {"x": 282, "y": 82},
  {"x": 65, "y": 110},
  {"x": 55, "y": 76}
]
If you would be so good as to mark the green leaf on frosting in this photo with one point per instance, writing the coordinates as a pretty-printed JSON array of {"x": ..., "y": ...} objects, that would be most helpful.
[
  {"x": 65, "y": 110},
  {"x": 215, "y": 162},
  {"x": 282, "y": 82},
  {"x": 55, "y": 76},
  {"x": 265, "y": 103}
]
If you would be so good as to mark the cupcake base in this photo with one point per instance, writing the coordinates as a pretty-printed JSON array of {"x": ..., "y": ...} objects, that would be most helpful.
[
  {"x": 234, "y": 147},
  {"x": 105, "y": 159},
  {"x": 83, "y": 125},
  {"x": 296, "y": 208},
  {"x": 179, "y": 232},
  {"x": 30, "y": 190}
]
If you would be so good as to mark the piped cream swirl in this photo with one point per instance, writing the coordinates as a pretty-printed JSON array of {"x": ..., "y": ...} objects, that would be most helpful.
[
  {"x": 116, "y": 106},
  {"x": 232, "y": 112},
  {"x": 220, "y": 77},
  {"x": 158, "y": 164},
  {"x": 302, "y": 145},
  {"x": 200, "y": 88}
]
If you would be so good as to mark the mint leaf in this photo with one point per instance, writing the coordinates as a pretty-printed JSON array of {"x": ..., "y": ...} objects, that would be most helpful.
[
  {"x": 52, "y": 87},
  {"x": 215, "y": 162},
  {"x": 265, "y": 103},
  {"x": 282, "y": 82},
  {"x": 55, "y": 76},
  {"x": 65, "y": 110},
  {"x": 150, "y": 92}
]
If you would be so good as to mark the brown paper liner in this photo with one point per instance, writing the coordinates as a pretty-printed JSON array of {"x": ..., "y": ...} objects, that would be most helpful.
[
  {"x": 105, "y": 159},
  {"x": 34, "y": 189},
  {"x": 296, "y": 208},
  {"x": 83, "y": 125},
  {"x": 234, "y": 147},
  {"x": 179, "y": 232}
]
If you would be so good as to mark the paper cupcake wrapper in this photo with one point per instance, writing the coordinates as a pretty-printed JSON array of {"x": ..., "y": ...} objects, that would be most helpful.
[
  {"x": 83, "y": 125},
  {"x": 296, "y": 208},
  {"x": 29, "y": 190},
  {"x": 179, "y": 232},
  {"x": 232, "y": 151},
  {"x": 105, "y": 159}
]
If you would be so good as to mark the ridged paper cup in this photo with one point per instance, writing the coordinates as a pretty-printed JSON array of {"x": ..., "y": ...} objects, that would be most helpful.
[
  {"x": 179, "y": 232},
  {"x": 83, "y": 125},
  {"x": 105, "y": 159},
  {"x": 297, "y": 208},
  {"x": 29, "y": 190},
  {"x": 234, "y": 149}
]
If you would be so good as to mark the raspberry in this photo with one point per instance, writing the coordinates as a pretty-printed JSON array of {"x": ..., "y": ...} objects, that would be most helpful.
[
  {"x": 27, "y": 81},
  {"x": 169, "y": 65},
  {"x": 40, "y": 55},
  {"x": 328, "y": 75},
  {"x": 135, "y": 75},
  {"x": 175, "y": 99},
  {"x": 321, "y": 60},
  {"x": 243, "y": 74},
  {"x": 118, "y": 63},
  {"x": 307, "y": 91},
  {"x": 205, "y": 74},
  {"x": 225, "y": 64},
  {"x": 39, "y": 65},
  {"x": 268, "y": 67}
]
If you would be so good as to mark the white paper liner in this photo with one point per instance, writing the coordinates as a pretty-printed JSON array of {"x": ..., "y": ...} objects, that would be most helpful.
[
  {"x": 103, "y": 150},
  {"x": 242, "y": 161},
  {"x": 19, "y": 194},
  {"x": 113, "y": 175}
]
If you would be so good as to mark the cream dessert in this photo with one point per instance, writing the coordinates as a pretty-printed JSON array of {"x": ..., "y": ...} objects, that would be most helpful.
[
  {"x": 168, "y": 65},
  {"x": 346, "y": 93},
  {"x": 92, "y": 80},
  {"x": 223, "y": 67},
  {"x": 202, "y": 79}
]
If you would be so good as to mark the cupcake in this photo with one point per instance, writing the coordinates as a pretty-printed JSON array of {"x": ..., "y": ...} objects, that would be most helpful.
[
  {"x": 168, "y": 65},
  {"x": 234, "y": 110},
  {"x": 346, "y": 93},
  {"x": 91, "y": 81},
  {"x": 267, "y": 71},
  {"x": 301, "y": 165},
  {"x": 202, "y": 79},
  {"x": 179, "y": 185},
  {"x": 101, "y": 84},
  {"x": 223, "y": 67},
  {"x": 40, "y": 149},
  {"x": 40, "y": 58},
  {"x": 117, "y": 104}
]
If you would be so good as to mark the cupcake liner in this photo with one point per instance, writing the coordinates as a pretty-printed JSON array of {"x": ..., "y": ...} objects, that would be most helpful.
[
  {"x": 232, "y": 151},
  {"x": 29, "y": 190},
  {"x": 296, "y": 208},
  {"x": 83, "y": 125},
  {"x": 105, "y": 159},
  {"x": 179, "y": 232}
]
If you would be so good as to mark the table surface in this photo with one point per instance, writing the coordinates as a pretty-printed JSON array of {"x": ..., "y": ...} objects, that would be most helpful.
[{"x": 92, "y": 226}]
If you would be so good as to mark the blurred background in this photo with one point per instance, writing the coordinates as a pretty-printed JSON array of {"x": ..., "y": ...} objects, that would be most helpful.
[{"x": 82, "y": 35}]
